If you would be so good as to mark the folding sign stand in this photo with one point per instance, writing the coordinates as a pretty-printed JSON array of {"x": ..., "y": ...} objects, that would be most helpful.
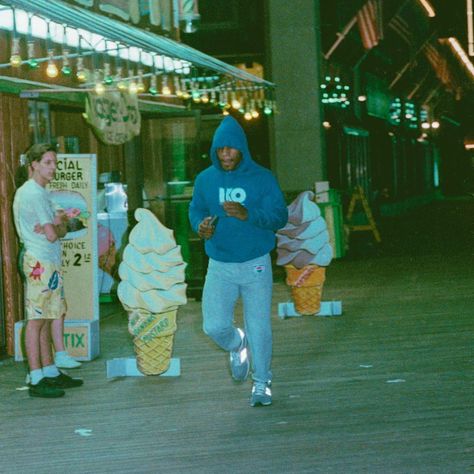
[
  {"x": 358, "y": 195},
  {"x": 127, "y": 367},
  {"x": 328, "y": 308}
]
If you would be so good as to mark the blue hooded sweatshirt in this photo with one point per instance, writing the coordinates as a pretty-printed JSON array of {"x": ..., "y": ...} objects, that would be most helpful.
[{"x": 252, "y": 185}]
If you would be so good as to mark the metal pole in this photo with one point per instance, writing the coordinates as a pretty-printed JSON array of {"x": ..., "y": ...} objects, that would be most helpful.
[
  {"x": 341, "y": 37},
  {"x": 408, "y": 64}
]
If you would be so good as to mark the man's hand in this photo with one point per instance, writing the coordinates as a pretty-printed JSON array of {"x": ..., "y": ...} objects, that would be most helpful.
[
  {"x": 206, "y": 230},
  {"x": 235, "y": 209}
]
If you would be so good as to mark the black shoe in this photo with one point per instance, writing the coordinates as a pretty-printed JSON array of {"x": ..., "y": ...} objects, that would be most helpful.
[
  {"x": 44, "y": 389},
  {"x": 63, "y": 381}
]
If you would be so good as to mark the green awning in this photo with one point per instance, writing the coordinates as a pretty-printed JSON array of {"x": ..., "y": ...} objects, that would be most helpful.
[{"x": 131, "y": 36}]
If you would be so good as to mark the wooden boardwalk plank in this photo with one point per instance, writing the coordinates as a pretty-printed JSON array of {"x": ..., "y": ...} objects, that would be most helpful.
[{"x": 408, "y": 316}]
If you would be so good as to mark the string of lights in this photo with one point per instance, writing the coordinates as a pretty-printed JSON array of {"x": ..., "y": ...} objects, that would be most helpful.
[{"x": 97, "y": 62}]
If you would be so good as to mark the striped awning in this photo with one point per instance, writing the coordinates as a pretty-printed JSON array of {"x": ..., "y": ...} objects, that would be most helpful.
[{"x": 131, "y": 36}]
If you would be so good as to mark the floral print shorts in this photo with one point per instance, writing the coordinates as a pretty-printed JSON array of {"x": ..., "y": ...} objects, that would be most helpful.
[{"x": 44, "y": 293}]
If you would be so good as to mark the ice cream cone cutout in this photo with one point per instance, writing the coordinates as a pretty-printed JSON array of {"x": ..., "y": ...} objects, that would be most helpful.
[
  {"x": 151, "y": 289},
  {"x": 304, "y": 250}
]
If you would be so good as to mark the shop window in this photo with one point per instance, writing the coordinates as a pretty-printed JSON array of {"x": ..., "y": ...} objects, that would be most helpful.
[{"x": 39, "y": 122}]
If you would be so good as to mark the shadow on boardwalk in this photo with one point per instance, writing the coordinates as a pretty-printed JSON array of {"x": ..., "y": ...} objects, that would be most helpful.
[{"x": 385, "y": 388}]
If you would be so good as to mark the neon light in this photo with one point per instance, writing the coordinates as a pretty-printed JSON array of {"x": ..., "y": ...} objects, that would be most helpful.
[
  {"x": 435, "y": 174},
  {"x": 462, "y": 54},
  {"x": 428, "y": 8},
  {"x": 470, "y": 28}
]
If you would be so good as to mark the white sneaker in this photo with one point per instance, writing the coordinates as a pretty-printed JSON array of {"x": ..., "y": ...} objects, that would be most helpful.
[
  {"x": 239, "y": 360},
  {"x": 65, "y": 361},
  {"x": 261, "y": 394}
]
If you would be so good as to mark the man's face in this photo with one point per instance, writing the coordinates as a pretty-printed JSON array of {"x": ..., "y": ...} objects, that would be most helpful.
[
  {"x": 43, "y": 170},
  {"x": 229, "y": 158}
]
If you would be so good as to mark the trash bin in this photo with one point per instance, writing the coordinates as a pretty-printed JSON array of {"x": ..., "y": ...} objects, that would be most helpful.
[{"x": 333, "y": 215}]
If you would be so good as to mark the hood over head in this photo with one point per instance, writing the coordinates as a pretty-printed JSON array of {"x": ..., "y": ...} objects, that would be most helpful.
[{"x": 229, "y": 133}]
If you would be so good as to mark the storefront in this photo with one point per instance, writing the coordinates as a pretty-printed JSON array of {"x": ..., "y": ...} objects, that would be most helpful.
[{"x": 59, "y": 63}]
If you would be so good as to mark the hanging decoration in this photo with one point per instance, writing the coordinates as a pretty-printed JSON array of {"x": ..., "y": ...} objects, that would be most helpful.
[
  {"x": 52, "y": 70},
  {"x": 189, "y": 17},
  {"x": 114, "y": 116},
  {"x": 15, "y": 58}
]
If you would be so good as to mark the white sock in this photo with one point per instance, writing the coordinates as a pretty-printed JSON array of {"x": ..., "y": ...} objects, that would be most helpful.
[
  {"x": 36, "y": 376},
  {"x": 50, "y": 371}
]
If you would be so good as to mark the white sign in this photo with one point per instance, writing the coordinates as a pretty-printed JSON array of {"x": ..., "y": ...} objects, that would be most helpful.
[
  {"x": 114, "y": 116},
  {"x": 74, "y": 190}
]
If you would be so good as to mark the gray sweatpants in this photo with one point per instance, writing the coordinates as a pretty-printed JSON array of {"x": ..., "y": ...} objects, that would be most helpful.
[{"x": 225, "y": 283}]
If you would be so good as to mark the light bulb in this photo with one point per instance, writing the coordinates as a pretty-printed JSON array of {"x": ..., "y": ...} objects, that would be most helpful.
[
  {"x": 153, "y": 90},
  {"x": 99, "y": 88},
  {"x": 177, "y": 87},
  {"x": 32, "y": 61},
  {"x": 133, "y": 88},
  {"x": 15, "y": 58},
  {"x": 267, "y": 110},
  {"x": 205, "y": 99},
  {"x": 255, "y": 114},
  {"x": 225, "y": 112},
  {"x": 82, "y": 75},
  {"x": 122, "y": 85},
  {"x": 236, "y": 104},
  {"x": 52, "y": 70},
  {"x": 248, "y": 116},
  {"x": 108, "y": 79},
  {"x": 140, "y": 84},
  {"x": 196, "y": 97},
  {"x": 435, "y": 124},
  {"x": 66, "y": 69},
  {"x": 166, "y": 90}
]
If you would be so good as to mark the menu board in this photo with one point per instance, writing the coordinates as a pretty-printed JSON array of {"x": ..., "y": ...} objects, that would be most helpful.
[{"x": 74, "y": 190}]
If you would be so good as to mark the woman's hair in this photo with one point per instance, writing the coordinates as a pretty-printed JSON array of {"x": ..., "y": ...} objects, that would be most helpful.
[{"x": 34, "y": 153}]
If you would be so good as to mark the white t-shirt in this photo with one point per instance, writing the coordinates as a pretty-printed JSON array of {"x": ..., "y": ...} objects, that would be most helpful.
[{"x": 32, "y": 205}]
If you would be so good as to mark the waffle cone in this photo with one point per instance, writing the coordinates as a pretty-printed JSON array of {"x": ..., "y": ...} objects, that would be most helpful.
[
  {"x": 309, "y": 275},
  {"x": 307, "y": 299},
  {"x": 153, "y": 339},
  {"x": 153, "y": 356}
]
